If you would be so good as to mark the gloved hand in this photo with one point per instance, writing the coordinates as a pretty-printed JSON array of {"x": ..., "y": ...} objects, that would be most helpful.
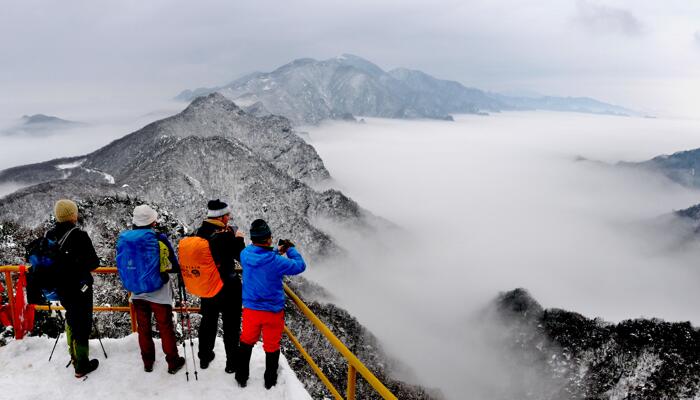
[{"x": 283, "y": 245}]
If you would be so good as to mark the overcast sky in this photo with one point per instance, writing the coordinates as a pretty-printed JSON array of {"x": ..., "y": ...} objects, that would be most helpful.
[{"x": 641, "y": 54}]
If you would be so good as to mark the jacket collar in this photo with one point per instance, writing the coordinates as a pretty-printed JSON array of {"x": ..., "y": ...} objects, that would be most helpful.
[
  {"x": 262, "y": 249},
  {"x": 215, "y": 222}
]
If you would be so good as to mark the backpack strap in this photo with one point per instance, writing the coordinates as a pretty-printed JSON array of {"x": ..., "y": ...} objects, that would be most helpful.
[{"x": 65, "y": 236}]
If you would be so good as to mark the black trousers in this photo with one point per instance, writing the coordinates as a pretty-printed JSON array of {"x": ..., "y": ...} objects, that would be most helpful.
[
  {"x": 226, "y": 303},
  {"x": 78, "y": 307}
]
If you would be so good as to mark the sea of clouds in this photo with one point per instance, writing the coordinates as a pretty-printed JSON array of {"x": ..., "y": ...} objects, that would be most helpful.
[{"x": 489, "y": 204}]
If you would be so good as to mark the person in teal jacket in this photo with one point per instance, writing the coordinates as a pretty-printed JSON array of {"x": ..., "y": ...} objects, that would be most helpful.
[{"x": 264, "y": 267}]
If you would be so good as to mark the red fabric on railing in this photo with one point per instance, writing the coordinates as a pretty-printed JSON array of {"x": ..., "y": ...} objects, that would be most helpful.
[{"x": 24, "y": 313}]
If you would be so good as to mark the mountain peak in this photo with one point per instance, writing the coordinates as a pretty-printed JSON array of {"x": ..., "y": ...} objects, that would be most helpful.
[
  {"x": 359, "y": 63},
  {"x": 212, "y": 101},
  {"x": 299, "y": 62},
  {"x": 43, "y": 119},
  {"x": 518, "y": 302}
]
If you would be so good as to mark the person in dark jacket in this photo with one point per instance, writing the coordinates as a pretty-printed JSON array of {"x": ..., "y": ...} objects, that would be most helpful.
[
  {"x": 158, "y": 302},
  {"x": 75, "y": 290},
  {"x": 264, "y": 267},
  {"x": 226, "y": 244}
]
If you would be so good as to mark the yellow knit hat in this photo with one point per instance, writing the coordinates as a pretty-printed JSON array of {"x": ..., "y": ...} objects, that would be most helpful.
[{"x": 64, "y": 210}]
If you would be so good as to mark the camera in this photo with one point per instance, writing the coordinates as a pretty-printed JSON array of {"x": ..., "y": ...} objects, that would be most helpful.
[{"x": 285, "y": 244}]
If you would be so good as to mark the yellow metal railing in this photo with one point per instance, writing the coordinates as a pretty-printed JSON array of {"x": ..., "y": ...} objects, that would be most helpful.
[{"x": 354, "y": 364}]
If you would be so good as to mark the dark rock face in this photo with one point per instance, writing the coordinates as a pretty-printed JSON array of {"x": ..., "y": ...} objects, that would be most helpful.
[{"x": 589, "y": 359}]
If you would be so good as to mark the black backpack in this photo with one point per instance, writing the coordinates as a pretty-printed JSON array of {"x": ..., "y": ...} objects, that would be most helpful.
[{"x": 46, "y": 256}]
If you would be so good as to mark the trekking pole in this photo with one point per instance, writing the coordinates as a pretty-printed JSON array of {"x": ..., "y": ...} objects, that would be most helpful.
[
  {"x": 62, "y": 323},
  {"x": 99, "y": 338},
  {"x": 54, "y": 345},
  {"x": 189, "y": 329},
  {"x": 182, "y": 324},
  {"x": 57, "y": 337}
]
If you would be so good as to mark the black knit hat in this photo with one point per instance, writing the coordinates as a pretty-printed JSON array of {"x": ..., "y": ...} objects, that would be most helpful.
[
  {"x": 217, "y": 208},
  {"x": 259, "y": 230}
]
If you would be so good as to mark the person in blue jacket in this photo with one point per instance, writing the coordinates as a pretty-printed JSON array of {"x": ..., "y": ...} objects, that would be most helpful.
[{"x": 264, "y": 267}]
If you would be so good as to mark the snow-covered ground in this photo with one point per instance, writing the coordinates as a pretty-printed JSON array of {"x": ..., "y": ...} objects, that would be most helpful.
[{"x": 26, "y": 373}]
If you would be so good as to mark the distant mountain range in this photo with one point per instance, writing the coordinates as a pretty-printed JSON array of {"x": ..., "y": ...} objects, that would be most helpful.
[
  {"x": 40, "y": 124},
  {"x": 307, "y": 91}
]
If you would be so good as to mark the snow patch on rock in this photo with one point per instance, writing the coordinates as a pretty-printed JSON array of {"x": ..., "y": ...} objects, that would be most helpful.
[{"x": 71, "y": 165}]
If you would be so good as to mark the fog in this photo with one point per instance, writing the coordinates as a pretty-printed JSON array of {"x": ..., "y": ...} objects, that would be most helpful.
[
  {"x": 102, "y": 122},
  {"x": 492, "y": 203}
]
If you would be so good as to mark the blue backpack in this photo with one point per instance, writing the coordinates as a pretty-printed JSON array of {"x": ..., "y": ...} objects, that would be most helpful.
[
  {"x": 46, "y": 257},
  {"x": 138, "y": 260}
]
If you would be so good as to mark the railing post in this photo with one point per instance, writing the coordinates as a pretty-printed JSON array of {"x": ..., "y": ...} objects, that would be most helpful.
[
  {"x": 352, "y": 379},
  {"x": 11, "y": 301}
]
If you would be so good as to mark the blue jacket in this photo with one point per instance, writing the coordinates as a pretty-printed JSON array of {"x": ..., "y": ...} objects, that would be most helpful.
[{"x": 263, "y": 270}]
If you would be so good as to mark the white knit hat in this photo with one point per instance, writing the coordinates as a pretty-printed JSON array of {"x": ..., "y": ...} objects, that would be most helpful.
[
  {"x": 217, "y": 208},
  {"x": 144, "y": 215}
]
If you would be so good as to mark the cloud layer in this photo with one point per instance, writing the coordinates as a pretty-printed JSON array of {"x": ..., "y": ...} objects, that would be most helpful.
[{"x": 493, "y": 203}]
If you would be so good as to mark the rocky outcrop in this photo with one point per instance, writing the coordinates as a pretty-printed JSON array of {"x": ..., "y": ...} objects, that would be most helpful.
[{"x": 583, "y": 358}]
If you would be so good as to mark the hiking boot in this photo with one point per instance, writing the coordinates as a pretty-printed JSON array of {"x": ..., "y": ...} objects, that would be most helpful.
[
  {"x": 271, "y": 364},
  {"x": 204, "y": 362},
  {"x": 177, "y": 365},
  {"x": 230, "y": 367},
  {"x": 243, "y": 368},
  {"x": 148, "y": 367},
  {"x": 91, "y": 366}
]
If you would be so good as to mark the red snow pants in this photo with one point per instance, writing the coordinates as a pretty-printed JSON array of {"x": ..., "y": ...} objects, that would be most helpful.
[
  {"x": 164, "y": 321},
  {"x": 270, "y": 323}
]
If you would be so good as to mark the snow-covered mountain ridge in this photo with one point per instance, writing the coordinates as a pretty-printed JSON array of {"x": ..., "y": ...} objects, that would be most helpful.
[
  {"x": 565, "y": 355},
  {"x": 307, "y": 91},
  {"x": 213, "y": 149}
]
